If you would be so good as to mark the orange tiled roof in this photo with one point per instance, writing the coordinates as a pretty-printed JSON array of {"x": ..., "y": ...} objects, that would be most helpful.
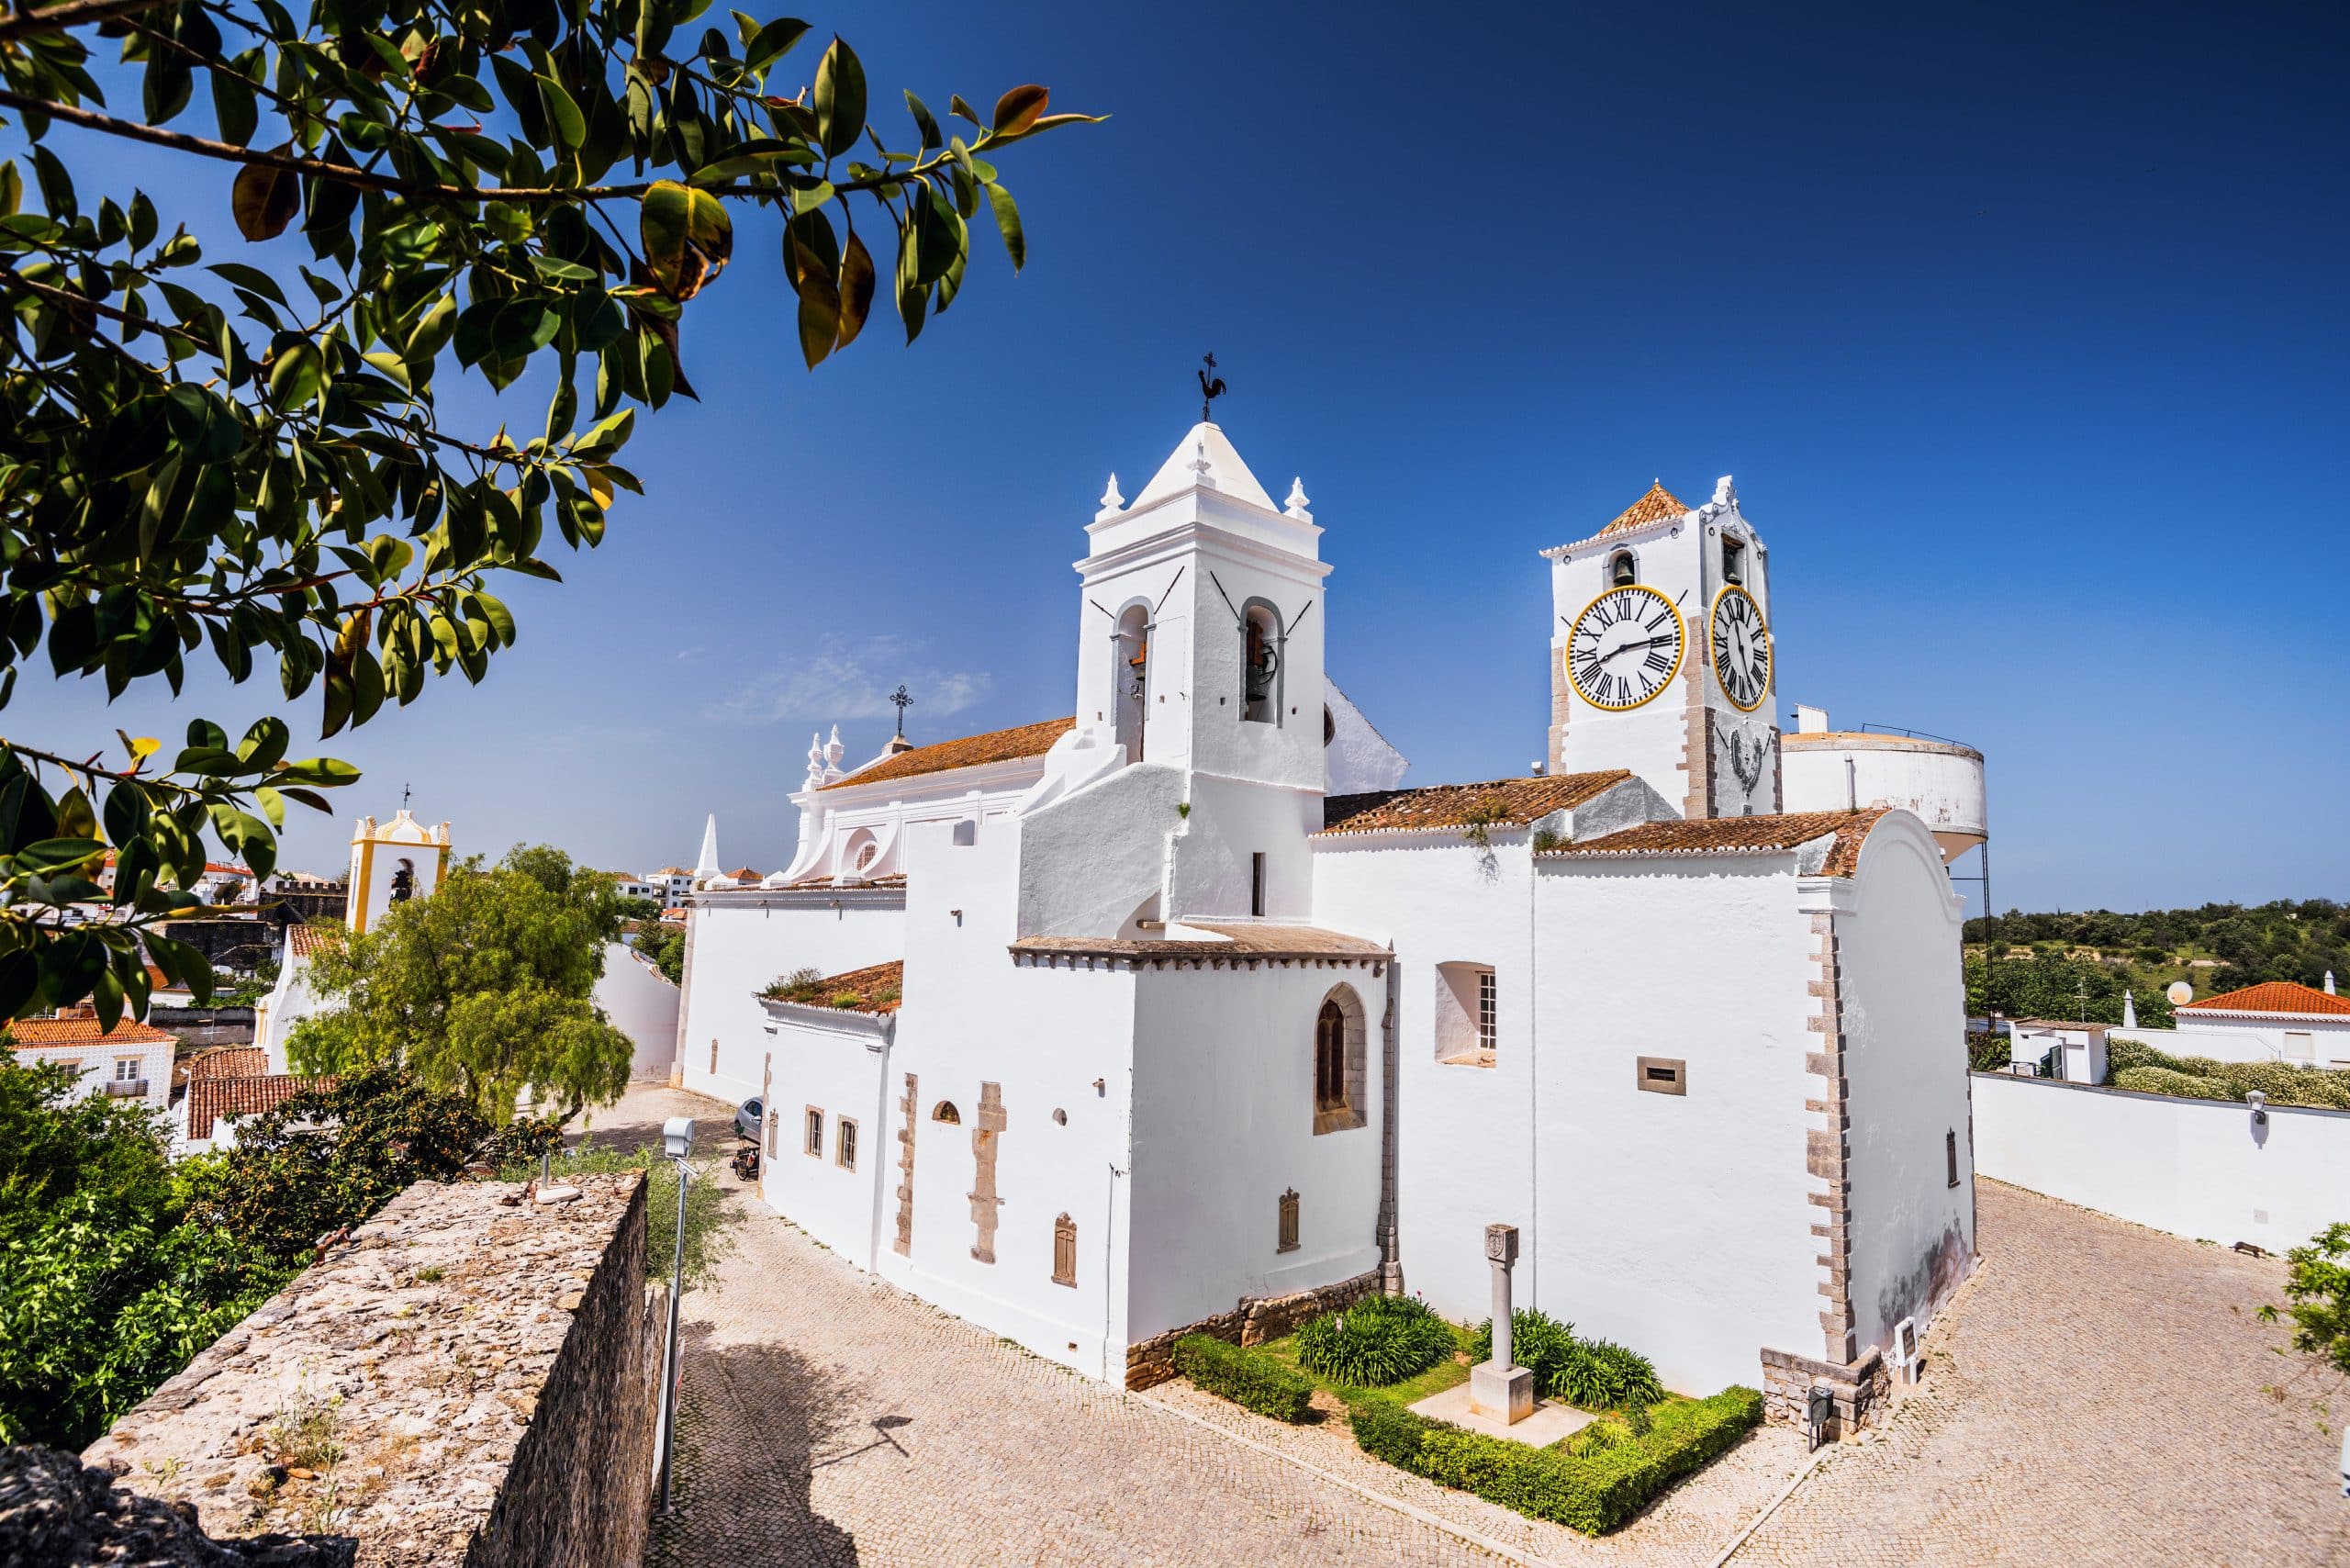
[
  {"x": 2274, "y": 996},
  {"x": 230, "y": 1061},
  {"x": 997, "y": 745},
  {"x": 305, "y": 940},
  {"x": 1743, "y": 836},
  {"x": 1516, "y": 800},
  {"x": 29, "y": 1032},
  {"x": 1656, "y": 506},
  {"x": 210, "y": 1099}
]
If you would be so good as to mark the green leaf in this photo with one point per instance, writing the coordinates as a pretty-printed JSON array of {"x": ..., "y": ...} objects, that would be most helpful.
[
  {"x": 295, "y": 374},
  {"x": 687, "y": 235},
  {"x": 1007, "y": 221},
  {"x": 264, "y": 200},
  {"x": 570, "y": 126},
  {"x": 924, "y": 123},
  {"x": 840, "y": 99}
]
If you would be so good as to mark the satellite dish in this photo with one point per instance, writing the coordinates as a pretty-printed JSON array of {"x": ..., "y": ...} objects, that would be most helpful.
[{"x": 2180, "y": 993}]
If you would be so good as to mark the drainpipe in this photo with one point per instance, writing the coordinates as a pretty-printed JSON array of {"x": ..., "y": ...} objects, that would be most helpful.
[{"x": 1391, "y": 1265}]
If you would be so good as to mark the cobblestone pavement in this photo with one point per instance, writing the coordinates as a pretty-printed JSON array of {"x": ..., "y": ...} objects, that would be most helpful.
[{"x": 2095, "y": 1397}]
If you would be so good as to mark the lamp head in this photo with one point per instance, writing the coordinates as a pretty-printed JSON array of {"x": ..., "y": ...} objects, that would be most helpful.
[{"x": 678, "y": 1137}]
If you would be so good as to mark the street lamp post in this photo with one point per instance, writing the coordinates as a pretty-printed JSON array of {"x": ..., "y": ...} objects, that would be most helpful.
[{"x": 677, "y": 1141}]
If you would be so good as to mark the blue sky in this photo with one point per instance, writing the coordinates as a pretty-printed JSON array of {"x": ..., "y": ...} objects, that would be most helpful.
[{"x": 2021, "y": 327}]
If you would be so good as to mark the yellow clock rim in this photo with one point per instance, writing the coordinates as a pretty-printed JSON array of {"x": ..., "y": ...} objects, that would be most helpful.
[
  {"x": 1770, "y": 655},
  {"x": 1680, "y": 650}
]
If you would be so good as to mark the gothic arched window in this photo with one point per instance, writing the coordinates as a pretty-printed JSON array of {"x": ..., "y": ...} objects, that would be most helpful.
[
  {"x": 1260, "y": 664},
  {"x": 1622, "y": 570}
]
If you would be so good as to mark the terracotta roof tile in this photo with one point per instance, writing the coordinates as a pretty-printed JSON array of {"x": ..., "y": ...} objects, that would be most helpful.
[
  {"x": 1504, "y": 802},
  {"x": 307, "y": 940},
  {"x": 210, "y": 1099},
  {"x": 27, "y": 1033},
  {"x": 2275, "y": 996},
  {"x": 997, "y": 745},
  {"x": 230, "y": 1061},
  {"x": 1743, "y": 835},
  {"x": 1656, "y": 506},
  {"x": 875, "y": 988}
]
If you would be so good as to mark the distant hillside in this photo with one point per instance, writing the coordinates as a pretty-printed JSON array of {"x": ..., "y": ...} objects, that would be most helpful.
[{"x": 2064, "y": 965}]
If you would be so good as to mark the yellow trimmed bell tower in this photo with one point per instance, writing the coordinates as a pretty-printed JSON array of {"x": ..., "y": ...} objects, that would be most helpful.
[{"x": 391, "y": 863}]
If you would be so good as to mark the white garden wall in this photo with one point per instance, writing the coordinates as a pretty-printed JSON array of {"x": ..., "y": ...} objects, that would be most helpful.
[{"x": 2195, "y": 1167}]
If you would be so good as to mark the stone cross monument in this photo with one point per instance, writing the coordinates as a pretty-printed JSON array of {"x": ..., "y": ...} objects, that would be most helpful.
[{"x": 1497, "y": 1387}]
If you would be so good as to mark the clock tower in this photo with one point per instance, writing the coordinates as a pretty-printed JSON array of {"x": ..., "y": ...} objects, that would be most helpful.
[{"x": 1661, "y": 655}]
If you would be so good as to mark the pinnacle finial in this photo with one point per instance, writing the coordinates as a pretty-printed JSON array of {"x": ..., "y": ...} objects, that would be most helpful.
[{"x": 1298, "y": 501}]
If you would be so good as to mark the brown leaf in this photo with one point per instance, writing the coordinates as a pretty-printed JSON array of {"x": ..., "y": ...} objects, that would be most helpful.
[
  {"x": 856, "y": 289},
  {"x": 264, "y": 201}
]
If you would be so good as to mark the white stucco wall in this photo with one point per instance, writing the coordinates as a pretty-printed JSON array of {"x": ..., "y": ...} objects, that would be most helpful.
[
  {"x": 1466, "y": 1133},
  {"x": 640, "y": 1003},
  {"x": 1912, "y": 1230},
  {"x": 1224, "y": 1125},
  {"x": 744, "y": 940},
  {"x": 2195, "y": 1167},
  {"x": 1678, "y": 1225},
  {"x": 2248, "y": 1039}
]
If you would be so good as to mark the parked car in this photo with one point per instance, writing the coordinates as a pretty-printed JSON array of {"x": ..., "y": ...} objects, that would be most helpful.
[{"x": 748, "y": 1118}]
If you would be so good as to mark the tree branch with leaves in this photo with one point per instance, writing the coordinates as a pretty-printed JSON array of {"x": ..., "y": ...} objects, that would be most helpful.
[{"x": 247, "y": 460}]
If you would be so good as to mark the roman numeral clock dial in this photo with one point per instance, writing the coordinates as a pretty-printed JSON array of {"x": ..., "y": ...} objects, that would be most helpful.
[
  {"x": 1741, "y": 647},
  {"x": 1625, "y": 647}
]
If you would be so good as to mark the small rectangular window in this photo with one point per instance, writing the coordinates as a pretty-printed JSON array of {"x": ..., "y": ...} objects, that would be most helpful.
[
  {"x": 1488, "y": 1029},
  {"x": 1949, "y": 1154},
  {"x": 1257, "y": 883},
  {"x": 1733, "y": 561},
  {"x": 813, "y": 1142},
  {"x": 1662, "y": 1075},
  {"x": 845, "y": 1144}
]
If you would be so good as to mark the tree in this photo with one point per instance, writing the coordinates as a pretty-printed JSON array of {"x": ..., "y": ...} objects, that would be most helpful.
[
  {"x": 248, "y": 460},
  {"x": 481, "y": 989}
]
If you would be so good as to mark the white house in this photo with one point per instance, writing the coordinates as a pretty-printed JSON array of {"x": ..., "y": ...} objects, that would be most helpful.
[
  {"x": 1178, "y": 1012},
  {"x": 2274, "y": 1021},
  {"x": 132, "y": 1062}
]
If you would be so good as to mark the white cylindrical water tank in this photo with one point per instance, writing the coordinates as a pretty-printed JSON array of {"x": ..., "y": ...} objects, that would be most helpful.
[{"x": 1822, "y": 769}]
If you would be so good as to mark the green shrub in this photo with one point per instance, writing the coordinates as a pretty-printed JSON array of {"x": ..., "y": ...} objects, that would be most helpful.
[
  {"x": 1538, "y": 1341},
  {"x": 2165, "y": 1080},
  {"x": 1593, "y": 1373},
  {"x": 1377, "y": 1341},
  {"x": 1592, "y": 1484},
  {"x": 1250, "y": 1378}
]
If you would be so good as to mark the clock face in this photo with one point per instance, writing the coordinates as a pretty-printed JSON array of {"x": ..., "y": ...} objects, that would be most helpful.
[
  {"x": 1742, "y": 648},
  {"x": 1625, "y": 647}
]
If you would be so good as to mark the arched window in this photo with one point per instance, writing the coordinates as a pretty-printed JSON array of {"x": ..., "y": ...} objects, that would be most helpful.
[
  {"x": 1622, "y": 569},
  {"x": 1064, "y": 1251},
  {"x": 1130, "y": 678},
  {"x": 1260, "y": 664},
  {"x": 1330, "y": 1058},
  {"x": 945, "y": 1111},
  {"x": 1341, "y": 1085}
]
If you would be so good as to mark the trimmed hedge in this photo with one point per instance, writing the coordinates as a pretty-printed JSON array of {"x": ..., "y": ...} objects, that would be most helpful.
[
  {"x": 1596, "y": 1375},
  {"x": 2132, "y": 1065},
  {"x": 1592, "y": 1486},
  {"x": 1379, "y": 1341},
  {"x": 1251, "y": 1379}
]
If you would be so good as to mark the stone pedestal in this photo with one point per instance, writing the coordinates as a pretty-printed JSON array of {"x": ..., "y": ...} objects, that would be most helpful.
[{"x": 1506, "y": 1394}]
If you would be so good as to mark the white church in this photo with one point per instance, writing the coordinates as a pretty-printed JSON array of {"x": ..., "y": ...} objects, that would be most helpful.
[{"x": 1178, "y": 1012}]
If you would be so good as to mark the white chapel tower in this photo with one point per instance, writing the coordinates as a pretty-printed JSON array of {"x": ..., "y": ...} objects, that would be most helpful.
[{"x": 1661, "y": 655}]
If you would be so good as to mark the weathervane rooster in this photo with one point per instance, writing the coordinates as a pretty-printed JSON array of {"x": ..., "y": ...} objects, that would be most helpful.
[{"x": 1210, "y": 388}]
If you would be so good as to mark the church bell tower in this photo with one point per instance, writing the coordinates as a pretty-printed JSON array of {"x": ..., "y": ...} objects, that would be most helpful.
[{"x": 1660, "y": 654}]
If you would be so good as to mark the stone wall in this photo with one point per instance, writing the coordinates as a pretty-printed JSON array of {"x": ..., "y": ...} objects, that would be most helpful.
[
  {"x": 1151, "y": 1362},
  {"x": 1860, "y": 1390},
  {"x": 470, "y": 1379}
]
